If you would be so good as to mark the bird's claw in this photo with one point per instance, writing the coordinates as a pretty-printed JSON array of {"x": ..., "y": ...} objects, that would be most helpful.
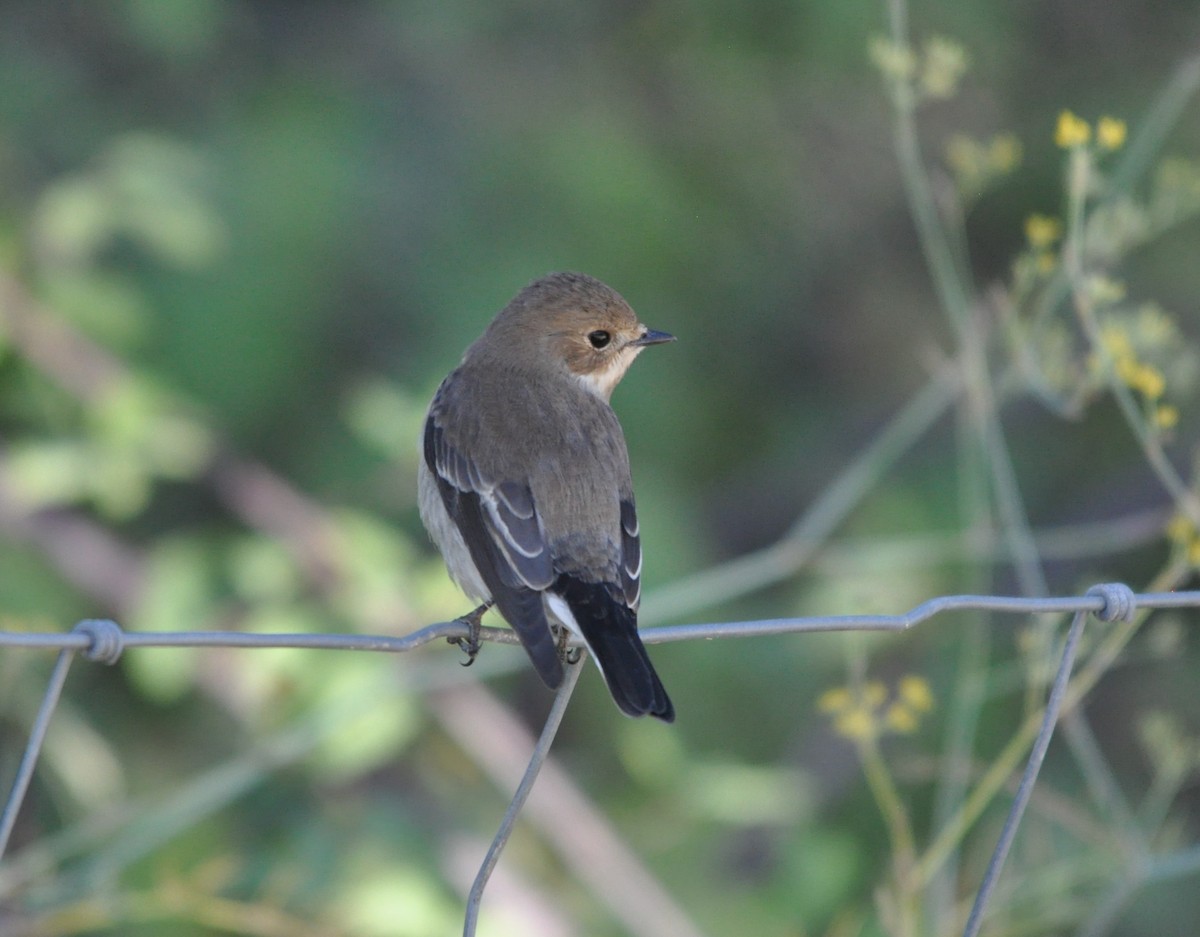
[
  {"x": 568, "y": 655},
  {"x": 471, "y": 643},
  {"x": 470, "y": 647}
]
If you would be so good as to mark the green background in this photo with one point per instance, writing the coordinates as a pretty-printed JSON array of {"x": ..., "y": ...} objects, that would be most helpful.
[{"x": 286, "y": 221}]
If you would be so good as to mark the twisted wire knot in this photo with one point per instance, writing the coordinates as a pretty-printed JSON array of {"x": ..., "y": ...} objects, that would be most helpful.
[
  {"x": 1119, "y": 601},
  {"x": 108, "y": 640}
]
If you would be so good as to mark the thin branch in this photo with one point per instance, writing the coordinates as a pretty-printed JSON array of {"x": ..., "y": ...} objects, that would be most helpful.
[
  {"x": 1169, "y": 105},
  {"x": 792, "y": 552},
  {"x": 924, "y": 550}
]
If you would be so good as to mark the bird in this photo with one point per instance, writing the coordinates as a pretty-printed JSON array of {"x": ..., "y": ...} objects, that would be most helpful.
[{"x": 525, "y": 485}]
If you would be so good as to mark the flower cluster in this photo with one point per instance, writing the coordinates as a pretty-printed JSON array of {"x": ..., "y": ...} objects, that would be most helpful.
[
  {"x": 976, "y": 164},
  {"x": 932, "y": 74},
  {"x": 1043, "y": 232},
  {"x": 1138, "y": 346},
  {"x": 868, "y": 711},
  {"x": 1132, "y": 344},
  {"x": 1073, "y": 131}
]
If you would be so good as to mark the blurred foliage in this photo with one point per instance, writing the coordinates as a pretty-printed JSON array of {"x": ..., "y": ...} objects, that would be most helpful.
[{"x": 240, "y": 244}]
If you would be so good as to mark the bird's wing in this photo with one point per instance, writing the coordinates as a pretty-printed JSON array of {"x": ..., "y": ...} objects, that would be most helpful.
[
  {"x": 604, "y": 613},
  {"x": 601, "y": 606},
  {"x": 500, "y": 525},
  {"x": 631, "y": 554}
]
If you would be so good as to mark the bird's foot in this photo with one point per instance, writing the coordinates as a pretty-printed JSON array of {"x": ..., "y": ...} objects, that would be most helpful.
[
  {"x": 471, "y": 643},
  {"x": 568, "y": 655}
]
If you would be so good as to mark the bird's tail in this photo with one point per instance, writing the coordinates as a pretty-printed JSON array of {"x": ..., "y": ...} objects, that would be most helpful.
[
  {"x": 629, "y": 674},
  {"x": 609, "y": 629}
]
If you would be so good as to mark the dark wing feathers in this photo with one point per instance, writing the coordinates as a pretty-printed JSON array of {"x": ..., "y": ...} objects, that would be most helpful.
[
  {"x": 501, "y": 534},
  {"x": 511, "y": 513}
]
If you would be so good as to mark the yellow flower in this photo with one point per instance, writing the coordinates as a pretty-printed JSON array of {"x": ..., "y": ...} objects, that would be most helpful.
[
  {"x": 1166, "y": 416},
  {"x": 1072, "y": 131},
  {"x": 1180, "y": 529},
  {"x": 834, "y": 701},
  {"x": 1106, "y": 290},
  {"x": 1004, "y": 152},
  {"x": 1149, "y": 381},
  {"x": 915, "y": 691},
  {"x": 1154, "y": 325},
  {"x": 1110, "y": 133},
  {"x": 866, "y": 711},
  {"x": 1116, "y": 341},
  {"x": 1127, "y": 369},
  {"x": 896, "y": 60},
  {"x": 856, "y": 724},
  {"x": 1042, "y": 230},
  {"x": 899, "y": 718},
  {"x": 965, "y": 156},
  {"x": 945, "y": 62},
  {"x": 976, "y": 163},
  {"x": 1046, "y": 262}
]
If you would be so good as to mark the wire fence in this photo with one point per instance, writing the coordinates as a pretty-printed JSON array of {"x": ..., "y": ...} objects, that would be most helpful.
[{"x": 104, "y": 641}]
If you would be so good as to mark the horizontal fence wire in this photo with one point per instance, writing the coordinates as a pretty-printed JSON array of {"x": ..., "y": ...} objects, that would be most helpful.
[
  {"x": 101, "y": 640},
  {"x": 104, "y": 641}
]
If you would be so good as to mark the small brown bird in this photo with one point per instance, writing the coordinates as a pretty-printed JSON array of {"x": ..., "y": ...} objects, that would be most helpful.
[{"x": 525, "y": 485}]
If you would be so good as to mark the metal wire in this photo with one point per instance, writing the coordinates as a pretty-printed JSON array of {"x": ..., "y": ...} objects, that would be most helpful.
[
  {"x": 77, "y": 641},
  {"x": 540, "y": 752},
  {"x": 105, "y": 641},
  {"x": 1025, "y": 790},
  {"x": 54, "y": 686}
]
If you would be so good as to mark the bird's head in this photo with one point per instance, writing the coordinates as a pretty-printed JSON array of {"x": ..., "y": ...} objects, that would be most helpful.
[{"x": 574, "y": 322}]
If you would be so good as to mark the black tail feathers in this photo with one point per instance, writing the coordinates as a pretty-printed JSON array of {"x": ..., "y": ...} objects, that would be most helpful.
[{"x": 609, "y": 628}]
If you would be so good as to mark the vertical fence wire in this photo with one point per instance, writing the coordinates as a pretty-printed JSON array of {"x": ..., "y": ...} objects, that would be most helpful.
[
  {"x": 33, "y": 748},
  {"x": 540, "y": 752},
  {"x": 1032, "y": 768}
]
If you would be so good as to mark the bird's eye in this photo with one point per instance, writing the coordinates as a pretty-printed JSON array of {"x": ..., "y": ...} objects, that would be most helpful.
[{"x": 599, "y": 338}]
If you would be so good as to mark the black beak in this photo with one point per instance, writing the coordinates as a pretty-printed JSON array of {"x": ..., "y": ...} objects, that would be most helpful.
[{"x": 653, "y": 337}]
